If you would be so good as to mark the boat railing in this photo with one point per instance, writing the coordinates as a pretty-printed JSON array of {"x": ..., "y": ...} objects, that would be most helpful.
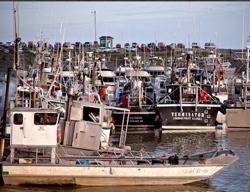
[
  {"x": 67, "y": 156},
  {"x": 118, "y": 157},
  {"x": 139, "y": 103},
  {"x": 106, "y": 157},
  {"x": 184, "y": 94}
]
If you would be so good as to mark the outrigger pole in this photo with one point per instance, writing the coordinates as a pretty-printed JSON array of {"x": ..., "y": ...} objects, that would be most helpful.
[{"x": 10, "y": 68}]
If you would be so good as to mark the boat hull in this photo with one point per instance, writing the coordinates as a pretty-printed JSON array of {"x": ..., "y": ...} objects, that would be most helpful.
[
  {"x": 105, "y": 176},
  {"x": 238, "y": 118},
  {"x": 202, "y": 118},
  {"x": 138, "y": 121}
]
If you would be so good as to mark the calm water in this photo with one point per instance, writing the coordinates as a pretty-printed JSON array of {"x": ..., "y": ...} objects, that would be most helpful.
[{"x": 233, "y": 178}]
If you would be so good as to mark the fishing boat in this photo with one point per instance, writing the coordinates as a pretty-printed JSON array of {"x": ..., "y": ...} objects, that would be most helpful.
[
  {"x": 119, "y": 169},
  {"x": 238, "y": 111},
  {"x": 137, "y": 96},
  {"x": 238, "y": 103},
  {"x": 188, "y": 104}
]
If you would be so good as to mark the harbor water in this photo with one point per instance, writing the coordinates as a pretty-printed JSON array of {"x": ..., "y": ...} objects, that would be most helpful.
[{"x": 234, "y": 178}]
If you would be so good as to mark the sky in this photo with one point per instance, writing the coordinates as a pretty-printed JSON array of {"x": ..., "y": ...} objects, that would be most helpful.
[{"x": 227, "y": 24}]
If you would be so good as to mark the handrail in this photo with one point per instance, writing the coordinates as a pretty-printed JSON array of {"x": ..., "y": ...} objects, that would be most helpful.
[{"x": 133, "y": 157}]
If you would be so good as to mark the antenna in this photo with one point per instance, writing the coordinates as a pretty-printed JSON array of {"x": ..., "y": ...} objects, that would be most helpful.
[
  {"x": 243, "y": 33},
  {"x": 16, "y": 34},
  {"x": 248, "y": 49},
  {"x": 94, "y": 12}
]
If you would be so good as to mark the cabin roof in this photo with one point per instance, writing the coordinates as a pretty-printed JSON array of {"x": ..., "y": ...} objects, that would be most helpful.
[
  {"x": 67, "y": 73},
  {"x": 154, "y": 68},
  {"x": 106, "y": 37},
  {"x": 123, "y": 69},
  {"x": 107, "y": 73},
  {"x": 87, "y": 104},
  {"x": 134, "y": 73},
  {"x": 23, "y": 109}
]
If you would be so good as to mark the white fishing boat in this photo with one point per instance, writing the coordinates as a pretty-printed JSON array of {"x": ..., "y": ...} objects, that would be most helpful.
[
  {"x": 238, "y": 111},
  {"x": 120, "y": 170}
]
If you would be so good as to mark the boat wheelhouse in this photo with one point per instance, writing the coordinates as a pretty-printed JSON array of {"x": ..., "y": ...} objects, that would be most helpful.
[{"x": 33, "y": 128}]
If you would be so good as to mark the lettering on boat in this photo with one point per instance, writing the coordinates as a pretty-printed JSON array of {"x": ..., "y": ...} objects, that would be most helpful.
[
  {"x": 187, "y": 116},
  {"x": 193, "y": 171},
  {"x": 136, "y": 119}
]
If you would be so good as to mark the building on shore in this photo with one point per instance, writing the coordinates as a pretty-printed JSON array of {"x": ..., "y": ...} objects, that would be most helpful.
[
  {"x": 106, "y": 42},
  {"x": 210, "y": 46}
]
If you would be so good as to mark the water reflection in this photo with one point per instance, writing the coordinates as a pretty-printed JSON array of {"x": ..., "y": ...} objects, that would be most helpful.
[
  {"x": 237, "y": 176},
  {"x": 178, "y": 143}
]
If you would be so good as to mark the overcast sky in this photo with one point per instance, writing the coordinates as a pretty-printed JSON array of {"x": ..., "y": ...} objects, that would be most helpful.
[{"x": 142, "y": 22}]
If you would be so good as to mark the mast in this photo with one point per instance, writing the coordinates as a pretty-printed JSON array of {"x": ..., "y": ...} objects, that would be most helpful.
[
  {"x": 248, "y": 55},
  {"x": 10, "y": 68},
  {"x": 17, "y": 39},
  {"x": 188, "y": 68},
  {"x": 94, "y": 12},
  {"x": 243, "y": 33}
]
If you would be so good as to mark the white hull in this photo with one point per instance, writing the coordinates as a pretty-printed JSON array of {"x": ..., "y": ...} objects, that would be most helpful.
[
  {"x": 177, "y": 128},
  {"x": 107, "y": 176},
  {"x": 238, "y": 118}
]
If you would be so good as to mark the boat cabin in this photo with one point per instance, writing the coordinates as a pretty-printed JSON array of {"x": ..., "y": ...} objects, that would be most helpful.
[
  {"x": 34, "y": 128},
  {"x": 197, "y": 74},
  {"x": 120, "y": 71},
  {"x": 140, "y": 74},
  {"x": 106, "y": 83},
  {"x": 155, "y": 70},
  {"x": 106, "y": 77}
]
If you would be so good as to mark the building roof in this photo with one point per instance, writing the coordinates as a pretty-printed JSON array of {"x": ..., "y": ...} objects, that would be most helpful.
[
  {"x": 106, "y": 37},
  {"x": 154, "y": 68},
  {"x": 37, "y": 110}
]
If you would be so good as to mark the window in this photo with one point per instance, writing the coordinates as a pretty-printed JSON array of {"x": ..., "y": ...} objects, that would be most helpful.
[
  {"x": 108, "y": 79},
  {"x": 91, "y": 114},
  {"x": 45, "y": 118},
  {"x": 18, "y": 119}
]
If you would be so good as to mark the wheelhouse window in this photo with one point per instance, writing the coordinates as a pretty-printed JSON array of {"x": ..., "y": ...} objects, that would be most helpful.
[
  {"x": 108, "y": 79},
  {"x": 91, "y": 114},
  {"x": 45, "y": 118},
  {"x": 18, "y": 119}
]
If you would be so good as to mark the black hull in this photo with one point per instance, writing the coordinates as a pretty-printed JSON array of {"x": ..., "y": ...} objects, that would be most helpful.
[
  {"x": 138, "y": 121},
  {"x": 202, "y": 118}
]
